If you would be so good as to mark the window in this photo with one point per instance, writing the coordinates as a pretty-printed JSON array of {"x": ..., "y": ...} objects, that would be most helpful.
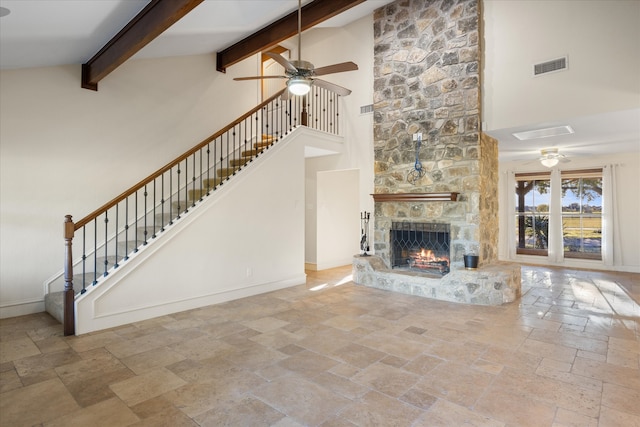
[
  {"x": 532, "y": 213},
  {"x": 582, "y": 214},
  {"x": 580, "y": 196}
]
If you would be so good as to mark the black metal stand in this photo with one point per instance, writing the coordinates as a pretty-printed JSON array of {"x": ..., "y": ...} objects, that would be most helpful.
[{"x": 364, "y": 232}]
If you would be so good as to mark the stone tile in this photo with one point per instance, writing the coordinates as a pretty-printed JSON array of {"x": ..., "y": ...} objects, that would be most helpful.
[
  {"x": 514, "y": 409},
  {"x": 621, "y": 399},
  {"x": 323, "y": 345},
  {"x": 552, "y": 351},
  {"x": 386, "y": 379},
  {"x": 276, "y": 338},
  {"x": 301, "y": 399},
  {"x": 17, "y": 349},
  {"x": 265, "y": 324},
  {"x": 613, "y": 418},
  {"x": 445, "y": 414},
  {"x": 112, "y": 412},
  {"x": 9, "y": 380},
  {"x": 244, "y": 411},
  {"x": 203, "y": 347},
  {"x": 456, "y": 383},
  {"x": 569, "y": 396},
  {"x": 41, "y": 362},
  {"x": 422, "y": 365},
  {"x": 565, "y": 418},
  {"x": 358, "y": 355},
  {"x": 308, "y": 363},
  {"x": 340, "y": 385},
  {"x": 92, "y": 341},
  {"x": 152, "y": 359},
  {"x": 146, "y": 386},
  {"x": 619, "y": 375},
  {"x": 37, "y": 403},
  {"x": 375, "y": 409}
]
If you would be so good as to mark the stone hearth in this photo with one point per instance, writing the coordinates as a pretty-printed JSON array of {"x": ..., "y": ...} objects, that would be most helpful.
[{"x": 495, "y": 284}]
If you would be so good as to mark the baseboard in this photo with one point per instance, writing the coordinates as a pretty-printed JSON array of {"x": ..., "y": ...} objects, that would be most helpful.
[
  {"x": 310, "y": 266},
  {"x": 21, "y": 309}
]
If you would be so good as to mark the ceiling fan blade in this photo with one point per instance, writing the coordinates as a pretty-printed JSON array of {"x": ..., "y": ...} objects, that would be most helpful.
[
  {"x": 259, "y": 77},
  {"x": 282, "y": 61},
  {"x": 342, "y": 91},
  {"x": 335, "y": 68}
]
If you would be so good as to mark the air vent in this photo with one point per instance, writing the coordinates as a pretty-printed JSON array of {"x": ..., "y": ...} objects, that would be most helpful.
[
  {"x": 550, "y": 66},
  {"x": 366, "y": 109}
]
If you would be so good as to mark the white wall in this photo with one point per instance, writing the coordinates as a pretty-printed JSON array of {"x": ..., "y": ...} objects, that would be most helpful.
[
  {"x": 325, "y": 46},
  {"x": 601, "y": 38},
  {"x": 628, "y": 182},
  {"x": 338, "y": 223},
  {"x": 67, "y": 150},
  {"x": 243, "y": 240}
]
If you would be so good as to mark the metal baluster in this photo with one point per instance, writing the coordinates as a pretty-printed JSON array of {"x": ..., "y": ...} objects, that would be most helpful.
[
  {"x": 84, "y": 259},
  {"x": 171, "y": 196},
  {"x": 126, "y": 229},
  {"x": 193, "y": 179},
  {"x": 186, "y": 185},
  {"x": 154, "y": 209},
  {"x": 95, "y": 250},
  {"x": 106, "y": 237},
  {"x": 136, "y": 225},
  {"x": 178, "y": 192},
  {"x": 209, "y": 186},
  {"x": 115, "y": 262},
  {"x": 162, "y": 204},
  {"x": 144, "y": 233},
  {"x": 201, "y": 175}
]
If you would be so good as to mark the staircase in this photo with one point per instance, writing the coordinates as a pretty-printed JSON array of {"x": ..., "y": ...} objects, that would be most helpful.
[
  {"x": 108, "y": 237},
  {"x": 54, "y": 301}
]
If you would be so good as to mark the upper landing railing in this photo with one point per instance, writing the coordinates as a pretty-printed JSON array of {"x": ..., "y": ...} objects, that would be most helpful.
[{"x": 119, "y": 228}]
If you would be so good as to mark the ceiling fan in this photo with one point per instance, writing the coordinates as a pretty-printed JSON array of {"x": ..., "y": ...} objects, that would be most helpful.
[
  {"x": 301, "y": 74},
  {"x": 550, "y": 157}
]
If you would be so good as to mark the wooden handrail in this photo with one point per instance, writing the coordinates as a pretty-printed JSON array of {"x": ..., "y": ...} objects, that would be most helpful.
[{"x": 84, "y": 221}]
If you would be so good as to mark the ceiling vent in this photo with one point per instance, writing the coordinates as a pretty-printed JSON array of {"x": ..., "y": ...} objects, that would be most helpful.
[
  {"x": 550, "y": 66},
  {"x": 543, "y": 133}
]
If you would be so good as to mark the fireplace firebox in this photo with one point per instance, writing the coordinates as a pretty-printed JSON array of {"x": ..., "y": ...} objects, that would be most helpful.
[{"x": 420, "y": 247}]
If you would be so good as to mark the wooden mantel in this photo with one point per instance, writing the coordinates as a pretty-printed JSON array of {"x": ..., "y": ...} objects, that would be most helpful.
[{"x": 415, "y": 197}]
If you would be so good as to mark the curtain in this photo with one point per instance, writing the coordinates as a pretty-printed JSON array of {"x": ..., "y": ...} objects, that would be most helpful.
[{"x": 611, "y": 249}]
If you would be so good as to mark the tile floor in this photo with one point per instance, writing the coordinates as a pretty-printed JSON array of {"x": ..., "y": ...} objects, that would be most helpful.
[{"x": 331, "y": 353}]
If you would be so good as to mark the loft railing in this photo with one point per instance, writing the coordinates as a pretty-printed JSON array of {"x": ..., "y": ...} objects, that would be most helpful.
[{"x": 119, "y": 228}]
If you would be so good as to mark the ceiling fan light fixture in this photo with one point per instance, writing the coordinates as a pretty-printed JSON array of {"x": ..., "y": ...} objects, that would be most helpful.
[
  {"x": 299, "y": 85},
  {"x": 549, "y": 162}
]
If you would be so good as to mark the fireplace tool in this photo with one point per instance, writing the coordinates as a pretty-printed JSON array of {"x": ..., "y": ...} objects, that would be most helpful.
[
  {"x": 364, "y": 232},
  {"x": 418, "y": 171}
]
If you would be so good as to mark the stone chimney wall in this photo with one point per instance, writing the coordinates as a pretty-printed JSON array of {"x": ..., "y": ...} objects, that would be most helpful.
[{"x": 427, "y": 80}]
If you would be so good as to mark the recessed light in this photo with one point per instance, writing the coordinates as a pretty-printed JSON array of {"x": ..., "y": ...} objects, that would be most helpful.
[
  {"x": 4, "y": 11},
  {"x": 543, "y": 133}
]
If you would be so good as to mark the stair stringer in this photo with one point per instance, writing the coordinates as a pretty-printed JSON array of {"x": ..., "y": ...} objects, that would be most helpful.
[{"x": 245, "y": 238}]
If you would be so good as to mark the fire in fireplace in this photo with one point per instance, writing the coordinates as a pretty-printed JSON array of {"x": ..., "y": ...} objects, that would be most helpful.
[{"x": 420, "y": 246}]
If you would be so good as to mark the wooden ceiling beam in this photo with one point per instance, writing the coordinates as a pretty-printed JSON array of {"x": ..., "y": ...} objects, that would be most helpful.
[
  {"x": 155, "y": 18},
  {"x": 312, "y": 14}
]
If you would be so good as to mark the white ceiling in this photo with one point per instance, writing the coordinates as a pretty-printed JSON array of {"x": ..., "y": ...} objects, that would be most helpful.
[{"x": 40, "y": 33}]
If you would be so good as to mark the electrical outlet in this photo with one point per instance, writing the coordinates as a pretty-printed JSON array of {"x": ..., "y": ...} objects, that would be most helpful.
[
  {"x": 417, "y": 136},
  {"x": 249, "y": 272}
]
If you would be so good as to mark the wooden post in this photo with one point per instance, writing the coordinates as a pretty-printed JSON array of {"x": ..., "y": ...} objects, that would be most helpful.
[{"x": 69, "y": 295}]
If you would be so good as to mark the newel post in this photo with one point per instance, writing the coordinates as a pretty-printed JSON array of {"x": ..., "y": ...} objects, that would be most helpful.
[{"x": 69, "y": 295}]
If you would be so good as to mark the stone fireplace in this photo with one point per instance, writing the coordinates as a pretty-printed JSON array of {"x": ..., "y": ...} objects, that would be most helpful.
[{"x": 427, "y": 87}]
